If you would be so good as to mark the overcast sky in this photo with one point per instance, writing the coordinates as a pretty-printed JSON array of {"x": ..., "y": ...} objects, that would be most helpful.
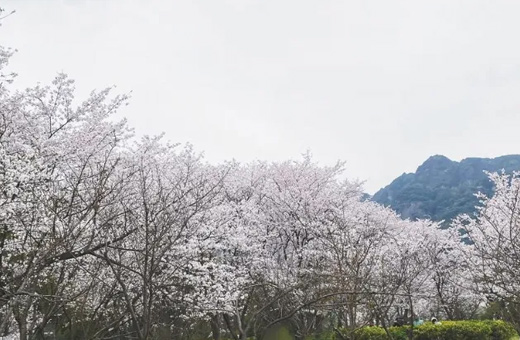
[{"x": 379, "y": 84}]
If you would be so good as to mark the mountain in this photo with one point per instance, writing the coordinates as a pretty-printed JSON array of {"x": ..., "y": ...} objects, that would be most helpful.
[{"x": 441, "y": 189}]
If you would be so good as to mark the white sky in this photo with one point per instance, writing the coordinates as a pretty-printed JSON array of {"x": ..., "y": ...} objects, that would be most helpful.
[{"x": 380, "y": 84}]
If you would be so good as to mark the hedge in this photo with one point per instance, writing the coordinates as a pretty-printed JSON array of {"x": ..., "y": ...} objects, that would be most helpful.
[
  {"x": 466, "y": 330},
  {"x": 378, "y": 333},
  {"x": 446, "y": 330},
  {"x": 501, "y": 330}
]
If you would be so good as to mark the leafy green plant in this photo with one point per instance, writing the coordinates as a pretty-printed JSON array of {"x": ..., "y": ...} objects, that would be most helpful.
[
  {"x": 447, "y": 330},
  {"x": 501, "y": 330}
]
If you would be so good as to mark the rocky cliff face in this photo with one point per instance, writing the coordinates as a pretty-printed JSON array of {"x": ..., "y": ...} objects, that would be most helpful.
[{"x": 441, "y": 189}]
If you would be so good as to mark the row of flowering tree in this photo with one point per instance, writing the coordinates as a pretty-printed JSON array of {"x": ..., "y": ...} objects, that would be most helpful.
[{"x": 104, "y": 236}]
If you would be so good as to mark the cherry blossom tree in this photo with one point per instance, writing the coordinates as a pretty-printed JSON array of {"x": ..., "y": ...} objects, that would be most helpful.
[
  {"x": 169, "y": 199},
  {"x": 492, "y": 235},
  {"x": 59, "y": 174}
]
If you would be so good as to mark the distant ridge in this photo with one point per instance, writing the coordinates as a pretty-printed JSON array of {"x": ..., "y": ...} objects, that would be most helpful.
[{"x": 441, "y": 189}]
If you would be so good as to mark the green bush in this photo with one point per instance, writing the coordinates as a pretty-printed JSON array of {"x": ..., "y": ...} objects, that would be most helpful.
[
  {"x": 454, "y": 330},
  {"x": 501, "y": 330},
  {"x": 370, "y": 333},
  {"x": 278, "y": 333},
  {"x": 378, "y": 333},
  {"x": 330, "y": 335},
  {"x": 447, "y": 330}
]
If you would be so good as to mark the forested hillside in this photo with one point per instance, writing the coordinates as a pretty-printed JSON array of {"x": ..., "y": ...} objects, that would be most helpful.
[{"x": 441, "y": 189}]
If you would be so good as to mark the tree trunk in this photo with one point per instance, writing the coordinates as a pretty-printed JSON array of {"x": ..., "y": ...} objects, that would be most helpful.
[
  {"x": 412, "y": 317},
  {"x": 22, "y": 328},
  {"x": 215, "y": 327},
  {"x": 20, "y": 312}
]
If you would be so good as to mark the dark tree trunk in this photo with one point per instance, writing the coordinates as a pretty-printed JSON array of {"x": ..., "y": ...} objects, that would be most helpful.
[{"x": 215, "y": 326}]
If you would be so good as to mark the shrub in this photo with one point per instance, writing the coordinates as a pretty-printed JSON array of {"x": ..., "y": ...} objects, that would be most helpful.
[
  {"x": 329, "y": 335},
  {"x": 447, "y": 330},
  {"x": 501, "y": 330},
  {"x": 370, "y": 333},
  {"x": 454, "y": 330},
  {"x": 378, "y": 333}
]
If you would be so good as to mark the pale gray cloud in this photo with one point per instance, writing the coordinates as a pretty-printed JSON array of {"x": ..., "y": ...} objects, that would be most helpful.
[{"x": 380, "y": 84}]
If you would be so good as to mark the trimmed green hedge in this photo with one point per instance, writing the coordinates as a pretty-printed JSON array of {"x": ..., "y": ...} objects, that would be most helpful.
[
  {"x": 501, "y": 330},
  {"x": 466, "y": 330},
  {"x": 461, "y": 330},
  {"x": 378, "y": 333},
  {"x": 447, "y": 330}
]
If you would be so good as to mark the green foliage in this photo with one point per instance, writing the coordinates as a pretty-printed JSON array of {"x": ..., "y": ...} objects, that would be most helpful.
[
  {"x": 378, "y": 333},
  {"x": 455, "y": 330},
  {"x": 278, "y": 333},
  {"x": 507, "y": 310},
  {"x": 323, "y": 336},
  {"x": 447, "y": 330},
  {"x": 501, "y": 330}
]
